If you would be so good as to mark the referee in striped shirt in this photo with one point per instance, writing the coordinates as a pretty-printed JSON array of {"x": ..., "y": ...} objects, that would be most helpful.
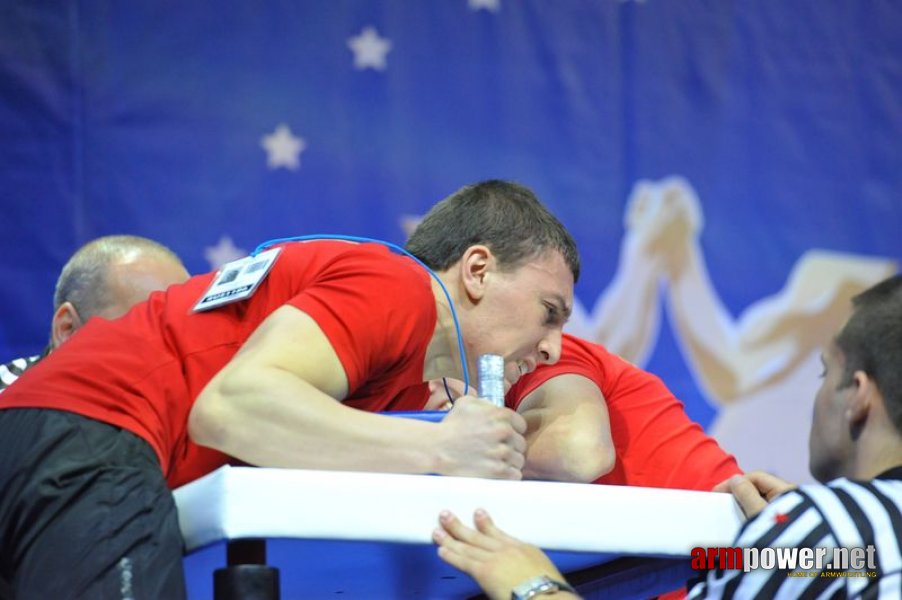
[{"x": 856, "y": 454}]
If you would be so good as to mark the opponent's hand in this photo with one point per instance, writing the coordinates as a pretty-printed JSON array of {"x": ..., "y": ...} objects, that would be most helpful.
[
  {"x": 494, "y": 559},
  {"x": 753, "y": 491},
  {"x": 479, "y": 439}
]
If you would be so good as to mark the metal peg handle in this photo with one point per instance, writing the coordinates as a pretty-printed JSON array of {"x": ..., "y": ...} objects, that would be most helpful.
[{"x": 490, "y": 370}]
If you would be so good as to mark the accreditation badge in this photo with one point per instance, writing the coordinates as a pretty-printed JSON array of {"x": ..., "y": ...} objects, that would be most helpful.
[{"x": 237, "y": 280}]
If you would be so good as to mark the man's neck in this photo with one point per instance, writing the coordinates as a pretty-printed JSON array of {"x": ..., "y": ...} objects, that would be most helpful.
[
  {"x": 443, "y": 354},
  {"x": 877, "y": 457}
]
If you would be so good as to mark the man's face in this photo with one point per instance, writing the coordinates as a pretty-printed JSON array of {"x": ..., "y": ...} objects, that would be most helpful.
[
  {"x": 522, "y": 313},
  {"x": 830, "y": 441},
  {"x": 132, "y": 281}
]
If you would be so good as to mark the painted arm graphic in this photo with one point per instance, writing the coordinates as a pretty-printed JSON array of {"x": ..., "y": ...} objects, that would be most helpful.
[
  {"x": 735, "y": 357},
  {"x": 627, "y": 316}
]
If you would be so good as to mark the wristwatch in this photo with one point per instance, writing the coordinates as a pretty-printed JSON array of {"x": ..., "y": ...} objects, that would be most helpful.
[{"x": 539, "y": 585}]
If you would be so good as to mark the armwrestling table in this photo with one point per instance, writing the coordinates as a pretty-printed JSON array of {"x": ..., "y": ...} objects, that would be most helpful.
[{"x": 368, "y": 535}]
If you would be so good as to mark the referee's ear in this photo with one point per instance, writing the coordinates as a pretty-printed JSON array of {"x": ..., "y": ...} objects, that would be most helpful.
[
  {"x": 66, "y": 321},
  {"x": 860, "y": 401}
]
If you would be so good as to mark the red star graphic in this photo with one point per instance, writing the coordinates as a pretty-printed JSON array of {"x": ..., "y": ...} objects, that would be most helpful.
[{"x": 781, "y": 518}]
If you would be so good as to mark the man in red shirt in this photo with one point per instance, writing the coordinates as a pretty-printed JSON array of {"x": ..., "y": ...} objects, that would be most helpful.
[
  {"x": 593, "y": 416},
  {"x": 856, "y": 455},
  {"x": 104, "y": 278},
  {"x": 166, "y": 394}
]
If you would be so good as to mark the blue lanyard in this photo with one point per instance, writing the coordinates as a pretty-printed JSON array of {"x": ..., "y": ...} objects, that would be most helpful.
[{"x": 399, "y": 250}]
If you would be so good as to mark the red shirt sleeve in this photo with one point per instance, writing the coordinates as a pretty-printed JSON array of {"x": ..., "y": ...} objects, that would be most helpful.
[
  {"x": 657, "y": 445},
  {"x": 376, "y": 308}
]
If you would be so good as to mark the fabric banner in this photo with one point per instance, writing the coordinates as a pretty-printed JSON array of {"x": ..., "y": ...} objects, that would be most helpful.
[{"x": 731, "y": 171}]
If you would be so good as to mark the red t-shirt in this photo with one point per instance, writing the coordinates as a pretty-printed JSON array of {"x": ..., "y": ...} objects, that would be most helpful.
[
  {"x": 657, "y": 444},
  {"x": 142, "y": 372}
]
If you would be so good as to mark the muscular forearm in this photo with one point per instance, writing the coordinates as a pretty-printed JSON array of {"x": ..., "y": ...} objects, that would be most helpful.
[
  {"x": 278, "y": 420},
  {"x": 275, "y": 419}
]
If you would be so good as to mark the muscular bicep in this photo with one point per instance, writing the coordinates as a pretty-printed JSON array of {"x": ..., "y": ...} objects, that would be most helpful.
[
  {"x": 285, "y": 368},
  {"x": 568, "y": 430},
  {"x": 290, "y": 340}
]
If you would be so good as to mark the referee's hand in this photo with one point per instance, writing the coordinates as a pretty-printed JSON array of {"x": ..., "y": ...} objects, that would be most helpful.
[{"x": 754, "y": 490}]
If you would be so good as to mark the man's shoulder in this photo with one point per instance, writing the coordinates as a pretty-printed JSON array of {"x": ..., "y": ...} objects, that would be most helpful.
[
  {"x": 341, "y": 257},
  {"x": 848, "y": 505},
  {"x": 845, "y": 485}
]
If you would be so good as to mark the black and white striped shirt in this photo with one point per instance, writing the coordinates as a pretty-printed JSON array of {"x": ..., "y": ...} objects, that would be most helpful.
[
  {"x": 841, "y": 514},
  {"x": 14, "y": 369}
]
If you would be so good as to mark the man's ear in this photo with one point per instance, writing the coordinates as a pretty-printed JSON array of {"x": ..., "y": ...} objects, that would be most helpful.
[
  {"x": 65, "y": 322},
  {"x": 860, "y": 400},
  {"x": 474, "y": 265}
]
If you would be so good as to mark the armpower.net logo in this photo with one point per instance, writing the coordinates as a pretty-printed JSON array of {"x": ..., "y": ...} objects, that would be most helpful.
[{"x": 798, "y": 562}]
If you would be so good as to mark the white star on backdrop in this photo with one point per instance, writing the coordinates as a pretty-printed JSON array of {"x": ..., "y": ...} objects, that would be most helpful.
[
  {"x": 283, "y": 148},
  {"x": 489, "y": 5},
  {"x": 224, "y": 251},
  {"x": 370, "y": 50}
]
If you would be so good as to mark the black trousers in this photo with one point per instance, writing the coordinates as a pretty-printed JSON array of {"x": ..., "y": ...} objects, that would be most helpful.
[{"x": 84, "y": 512}]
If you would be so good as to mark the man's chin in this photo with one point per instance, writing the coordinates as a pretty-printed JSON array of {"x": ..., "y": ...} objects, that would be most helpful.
[{"x": 512, "y": 375}]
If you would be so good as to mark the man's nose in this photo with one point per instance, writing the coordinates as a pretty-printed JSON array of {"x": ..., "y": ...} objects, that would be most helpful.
[{"x": 550, "y": 348}]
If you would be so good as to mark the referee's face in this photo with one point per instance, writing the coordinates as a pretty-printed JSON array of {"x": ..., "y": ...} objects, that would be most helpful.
[{"x": 830, "y": 443}]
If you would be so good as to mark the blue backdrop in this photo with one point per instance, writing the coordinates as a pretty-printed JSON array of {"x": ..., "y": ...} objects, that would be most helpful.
[{"x": 211, "y": 126}]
